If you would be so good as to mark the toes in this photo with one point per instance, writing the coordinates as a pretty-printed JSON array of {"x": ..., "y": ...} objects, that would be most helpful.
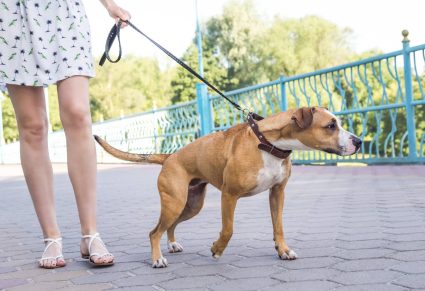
[
  {"x": 289, "y": 255},
  {"x": 60, "y": 262},
  {"x": 47, "y": 263},
  {"x": 160, "y": 263},
  {"x": 174, "y": 247}
]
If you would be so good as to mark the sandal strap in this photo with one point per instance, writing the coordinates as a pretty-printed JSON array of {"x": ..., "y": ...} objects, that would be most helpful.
[
  {"x": 52, "y": 241},
  {"x": 92, "y": 237}
]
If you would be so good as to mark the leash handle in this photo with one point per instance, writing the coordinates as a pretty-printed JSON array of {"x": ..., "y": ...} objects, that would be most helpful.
[{"x": 115, "y": 33}]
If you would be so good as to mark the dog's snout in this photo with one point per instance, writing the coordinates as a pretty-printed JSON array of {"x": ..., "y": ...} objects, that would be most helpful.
[{"x": 357, "y": 142}]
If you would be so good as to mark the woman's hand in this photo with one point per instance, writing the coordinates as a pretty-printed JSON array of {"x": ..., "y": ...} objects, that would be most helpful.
[{"x": 116, "y": 12}]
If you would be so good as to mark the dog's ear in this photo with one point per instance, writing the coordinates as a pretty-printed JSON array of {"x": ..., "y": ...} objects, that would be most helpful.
[{"x": 303, "y": 116}]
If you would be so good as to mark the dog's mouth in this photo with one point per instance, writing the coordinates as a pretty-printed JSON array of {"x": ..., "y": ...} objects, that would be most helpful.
[
  {"x": 333, "y": 151},
  {"x": 342, "y": 151}
]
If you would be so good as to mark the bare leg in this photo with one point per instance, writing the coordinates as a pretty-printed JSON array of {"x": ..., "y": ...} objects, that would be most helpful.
[
  {"x": 81, "y": 153},
  {"x": 29, "y": 105}
]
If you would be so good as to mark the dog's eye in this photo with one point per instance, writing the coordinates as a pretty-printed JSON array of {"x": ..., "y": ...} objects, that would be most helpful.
[{"x": 331, "y": 126}]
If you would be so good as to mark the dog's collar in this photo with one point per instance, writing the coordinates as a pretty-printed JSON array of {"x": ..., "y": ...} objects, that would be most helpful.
[{"x": 264, "y": 144}]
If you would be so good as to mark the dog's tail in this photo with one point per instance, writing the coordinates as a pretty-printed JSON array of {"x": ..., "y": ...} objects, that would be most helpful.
[{"x": 139, "y": 158}]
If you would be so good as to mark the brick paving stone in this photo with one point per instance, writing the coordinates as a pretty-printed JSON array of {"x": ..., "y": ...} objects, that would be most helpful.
[
  {"x": 306, "y": 274},
  {"x": 410, "y": 267},
  {"x": 365, "y": 264},
  {"x": 220, "y": 269},
  {"x": 8, "y": 283},
  {"x": 244, "y": 284},
  {"x": 7, "y": 270},
  {"x": 62, "y": 276},
  {"x": 143, "y": 280},
  {"x": 138, "y": 288},
  {"x": 364, "y": 244},
  {"x": 91, "y": 287},
  {"x": 41, "y": 286},
  {"x": 374, "y": 240},
  {"x": 189, "y": 282},
  {"x": 407, "y": 246},
  {"x": 306, "y": 285},
  {"x": 308, "y": 263},
  {"x": 258, "y": 272},
  {"x": 100, "y": 278},
  {"x": 410, "y": 255},
  {"x": 412, "y": 281},
  {"x": 364, "y": 254},
  {"x": 366, "y": 277},
  {"x": 146, "y": 269},
  {"x": 371, "y": 287}
]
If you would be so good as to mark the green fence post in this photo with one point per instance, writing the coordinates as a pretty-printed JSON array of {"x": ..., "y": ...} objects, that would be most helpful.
[
  {"x": 204, "y": 108},
  {"x": 283, "y": 100},
  {"x": 410, "y": 113}
]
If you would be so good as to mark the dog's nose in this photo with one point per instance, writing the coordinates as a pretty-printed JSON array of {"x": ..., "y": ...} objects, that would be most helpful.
[{"x": 357, "y": 142}]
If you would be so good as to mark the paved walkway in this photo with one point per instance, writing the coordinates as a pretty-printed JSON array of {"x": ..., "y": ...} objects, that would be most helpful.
[{"x": 354, "y": 228}]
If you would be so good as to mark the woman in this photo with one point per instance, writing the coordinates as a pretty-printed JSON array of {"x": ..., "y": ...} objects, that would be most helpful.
[{"x": 47, "y": 42}]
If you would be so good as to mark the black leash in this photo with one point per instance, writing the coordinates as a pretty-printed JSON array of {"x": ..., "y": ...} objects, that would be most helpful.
[
  {"x": 264, "y": 145},
  {"x": 115, "y": 33}
]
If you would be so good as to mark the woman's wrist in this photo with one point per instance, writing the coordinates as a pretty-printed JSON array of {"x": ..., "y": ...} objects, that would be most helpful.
[
  {"x": 107, "y": 3},
  {"x": 115, "y": 11}
]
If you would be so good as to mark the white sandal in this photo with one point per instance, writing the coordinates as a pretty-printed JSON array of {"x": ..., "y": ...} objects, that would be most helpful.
[
  {"x": 52, "y": 241},
  {"x": 89, "y": 256}
]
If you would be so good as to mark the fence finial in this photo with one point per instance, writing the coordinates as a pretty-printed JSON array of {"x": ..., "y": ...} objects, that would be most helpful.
[{"x": 405, "y": 34}]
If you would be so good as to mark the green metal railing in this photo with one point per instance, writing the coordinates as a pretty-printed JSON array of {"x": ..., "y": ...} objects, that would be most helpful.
[{"x": 381, "y": 99}]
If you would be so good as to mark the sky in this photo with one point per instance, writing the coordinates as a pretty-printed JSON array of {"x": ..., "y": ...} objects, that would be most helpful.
[{"x": 376, "y": 24}]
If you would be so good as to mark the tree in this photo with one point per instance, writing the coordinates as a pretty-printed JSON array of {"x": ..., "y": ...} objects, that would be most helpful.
[
  {"x": 130, "y": 86},
  {"x": 294, "y": 46}
]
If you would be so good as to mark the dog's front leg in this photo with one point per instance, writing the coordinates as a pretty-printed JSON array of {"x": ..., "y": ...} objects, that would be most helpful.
[
  {"x": 276, "y": 198},
  {"x": 228, "y": 205}
]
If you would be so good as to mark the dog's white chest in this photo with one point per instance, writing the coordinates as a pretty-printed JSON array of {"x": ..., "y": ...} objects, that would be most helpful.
[{"x": 272, "y": 173}]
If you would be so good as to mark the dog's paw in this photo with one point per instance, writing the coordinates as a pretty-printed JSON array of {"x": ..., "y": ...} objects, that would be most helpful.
[
  {"x": 216, "y": 253},
  {"x": 174, "y": 247},
  {"x": 288, "y": 255},
  {"x": 160, "y": 263}
]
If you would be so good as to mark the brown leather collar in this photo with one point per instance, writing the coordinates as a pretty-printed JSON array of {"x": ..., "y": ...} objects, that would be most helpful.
[{"x": 264, "y": 144}]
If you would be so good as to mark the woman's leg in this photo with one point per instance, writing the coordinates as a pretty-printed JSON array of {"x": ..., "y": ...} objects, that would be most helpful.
[
  {"x": 29, "y": 105},
  {"x": 76, "y": 120}
]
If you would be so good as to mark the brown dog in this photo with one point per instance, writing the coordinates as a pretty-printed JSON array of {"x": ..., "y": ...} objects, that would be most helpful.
[{"x": 231, "y": 161}]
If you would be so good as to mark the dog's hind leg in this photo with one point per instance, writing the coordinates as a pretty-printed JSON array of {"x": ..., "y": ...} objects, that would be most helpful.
[
  {"x": 173, "y": 194},
  {"x": 194, "y": 203},
  {"x": 228, "y": 205}
]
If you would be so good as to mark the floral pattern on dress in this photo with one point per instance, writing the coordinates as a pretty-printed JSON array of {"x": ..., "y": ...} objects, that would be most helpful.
[{"x": 42, "y": 42}]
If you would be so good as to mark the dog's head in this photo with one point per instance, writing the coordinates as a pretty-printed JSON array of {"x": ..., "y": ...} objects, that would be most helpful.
[{"x": 317, "y": 128}]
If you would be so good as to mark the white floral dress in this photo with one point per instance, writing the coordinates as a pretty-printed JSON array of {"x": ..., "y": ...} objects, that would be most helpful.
[{"x": 43, "y": 41}]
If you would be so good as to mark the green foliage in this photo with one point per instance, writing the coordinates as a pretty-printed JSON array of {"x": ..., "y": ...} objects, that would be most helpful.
[
  {"x": 245, "y": 50},
  {"x": 294, "y": 46},
  {"x": 10, "y": 128},
  {"x": 130, "y": 86},
  {"x": 54, "y": 108}
]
